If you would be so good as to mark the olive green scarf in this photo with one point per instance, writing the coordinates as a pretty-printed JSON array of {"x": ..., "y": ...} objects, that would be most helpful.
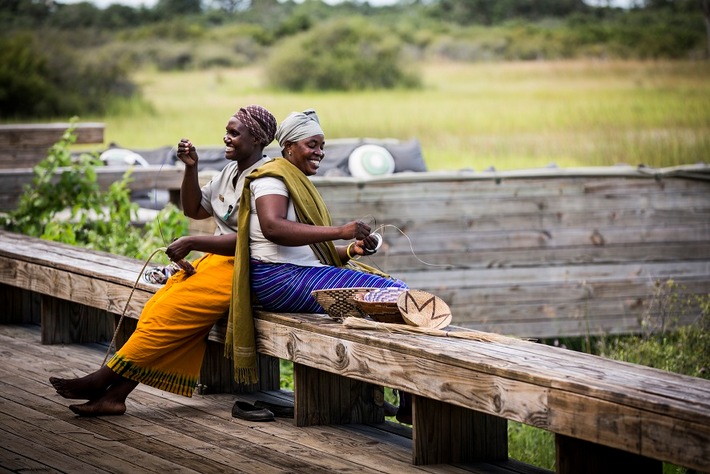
[{"x": 240, "y": 343}]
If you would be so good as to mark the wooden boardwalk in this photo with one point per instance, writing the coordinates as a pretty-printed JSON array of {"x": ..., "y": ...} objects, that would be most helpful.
[{"x": 162, "y": 432}]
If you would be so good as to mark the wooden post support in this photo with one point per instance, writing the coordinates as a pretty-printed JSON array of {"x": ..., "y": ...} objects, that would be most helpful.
[
  {"x": 445, "y": 433},
  {"x": 217, "y": 373},
  {"x": 20, "y": 306},
  {"x": 65, "y": 322},
  {"x": 323, "y": 398}
]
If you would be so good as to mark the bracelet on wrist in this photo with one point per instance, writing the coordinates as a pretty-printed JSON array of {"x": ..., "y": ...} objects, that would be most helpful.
[{"x": 347, "y": 250}]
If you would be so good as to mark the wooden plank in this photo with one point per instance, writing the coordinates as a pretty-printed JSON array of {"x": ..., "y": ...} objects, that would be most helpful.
[
  {"x": 16, "y": 462},
  {"x": 458, "y": 192},
  {"x": 417, "y": 257},
  {"x": 142, "y": 178},
  {"x": 34, "y": 135},
  {"x": 65, "y": 452},
  {"x": 514, "y": 177},
  {"x": 20, "y": 306},
  {"x": 79, "y": 260},
  {"x": 638, "y": 271},
  {"x": 584, "y": 240},
  {"x": 217, "y": 373},
  {"x": 78, "y": 288},
  {"x": 535, "y": 363},
  {"x": 25, "y": 145}
]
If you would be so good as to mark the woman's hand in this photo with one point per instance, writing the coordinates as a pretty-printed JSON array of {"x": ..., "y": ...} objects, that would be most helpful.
[
  {"x": 186, "y": 152},
  {"x": 179, "y": 249},
  {"x": 369, "y": 244},
  {"x": 357, "y": 230},
  {"x": 366, "y": 246}
]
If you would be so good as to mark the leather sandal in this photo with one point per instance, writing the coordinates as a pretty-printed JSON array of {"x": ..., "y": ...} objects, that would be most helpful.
[
  {"x": 285, "y": 411},
  {"x": 247, "y": 411}
]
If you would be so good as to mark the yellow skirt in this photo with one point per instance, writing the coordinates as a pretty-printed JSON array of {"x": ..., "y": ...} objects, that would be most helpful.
[{"x": 167, "y": 347}]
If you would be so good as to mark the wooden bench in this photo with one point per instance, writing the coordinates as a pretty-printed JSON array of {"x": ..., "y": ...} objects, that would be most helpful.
[{"x": 606, "y": 415}]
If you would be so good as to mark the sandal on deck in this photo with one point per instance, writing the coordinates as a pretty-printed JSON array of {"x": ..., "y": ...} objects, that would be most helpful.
[
  {"x": 247, "y": 411},
  {"x": 277, "y": 409}
]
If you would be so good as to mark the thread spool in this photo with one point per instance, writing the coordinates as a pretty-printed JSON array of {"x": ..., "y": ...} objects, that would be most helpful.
[{"x": 379, "y": 241}]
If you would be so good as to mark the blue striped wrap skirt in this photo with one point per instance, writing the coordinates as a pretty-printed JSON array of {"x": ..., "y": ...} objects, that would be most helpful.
[{"x": 284, "y": 287}]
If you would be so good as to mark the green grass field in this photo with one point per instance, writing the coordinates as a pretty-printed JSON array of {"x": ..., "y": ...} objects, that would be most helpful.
[{"x": 506, "y": 115}]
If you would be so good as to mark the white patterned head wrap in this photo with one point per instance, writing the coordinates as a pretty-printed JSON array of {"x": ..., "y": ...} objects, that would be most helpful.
[{"x": 297, "y": 126}]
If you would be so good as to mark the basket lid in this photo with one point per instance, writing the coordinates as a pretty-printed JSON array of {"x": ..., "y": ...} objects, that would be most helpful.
[{"x": 422, "y": 309}]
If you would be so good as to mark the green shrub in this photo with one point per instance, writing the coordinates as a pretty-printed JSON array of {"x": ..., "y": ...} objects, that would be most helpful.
[
  {"x": 345, "y": 54},
  {"x": 47, "y": 77},
  {"x": 531, "y": 445},
  {"x": 664, "y": 345}
]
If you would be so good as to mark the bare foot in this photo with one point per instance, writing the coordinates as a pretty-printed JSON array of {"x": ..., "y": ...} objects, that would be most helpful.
[
  {"x": 99, "y": 408},
  {"x": 74, "y": 389}
]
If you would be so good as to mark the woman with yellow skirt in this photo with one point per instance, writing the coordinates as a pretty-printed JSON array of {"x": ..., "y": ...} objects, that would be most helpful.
[{"x": 167, "y": 347}]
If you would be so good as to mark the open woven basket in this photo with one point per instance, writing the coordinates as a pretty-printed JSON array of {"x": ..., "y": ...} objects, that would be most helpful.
[
  {"x": 380, "y": 304},
  {"x": 338, "y": 302}
]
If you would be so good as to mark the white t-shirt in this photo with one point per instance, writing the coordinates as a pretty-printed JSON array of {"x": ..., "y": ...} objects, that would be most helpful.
[
  {"x": 262, "y": 248},
  {"x": 220, "y": 197}
]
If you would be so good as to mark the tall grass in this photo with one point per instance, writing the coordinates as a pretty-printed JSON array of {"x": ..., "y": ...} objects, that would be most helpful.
[{"x": 505, "y": 115}]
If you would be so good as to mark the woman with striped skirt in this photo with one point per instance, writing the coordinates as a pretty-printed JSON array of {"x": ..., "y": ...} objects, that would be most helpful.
[{"x": 290, "y": 251}]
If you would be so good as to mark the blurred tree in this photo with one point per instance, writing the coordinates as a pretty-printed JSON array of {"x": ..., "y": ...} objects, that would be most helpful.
[
  {"x": 117, "y": 16},
  {"x": 231, "y": 6},
  {"x": 342, "y": 54},
  {"x": 173, "y": 8},
  {"x": 75, "y": 15},
  {"x": 25, "y": 89},
  {"x": 488, "y": 12},
  {"x": 46, "y": 76},
  {"x": 705, "y": 4},
  {"x": 24, "y": 13}
]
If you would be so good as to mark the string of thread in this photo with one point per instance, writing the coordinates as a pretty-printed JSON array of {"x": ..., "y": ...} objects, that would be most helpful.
[
  {"x": 155, "y": 194},
  {"x": 160, "y": 249},
  {"x": 125, "y": 308},
  {"x": 411, "y": 247},
  {"x": 380, "y": 230}
]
